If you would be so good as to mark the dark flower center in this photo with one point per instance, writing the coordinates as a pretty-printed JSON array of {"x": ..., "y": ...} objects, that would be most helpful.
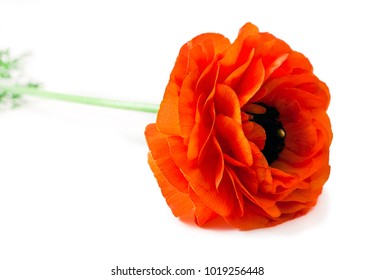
[{"x": 275, "y": 133}]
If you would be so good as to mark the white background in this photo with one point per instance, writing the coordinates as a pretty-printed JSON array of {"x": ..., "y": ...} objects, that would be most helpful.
[{"x": 77, "y": 197}]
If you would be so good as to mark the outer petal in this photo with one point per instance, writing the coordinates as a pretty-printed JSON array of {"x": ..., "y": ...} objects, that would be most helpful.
[
  {"x": 239, "y": 54},
  {"x": 205, "y": 115},
  {"x": 194, "y": 57},
  {"x": 273, "y": 53},
  {"x": 202, "y": 185},
  {"x": 209, "y": 45},
  {"x": 306, "y": 198},
  {"x": 202, "y": 213},
  {"x": 162, "y": 157},
  {"x": 250, "y": 220},
  {"x": 295, "y": 63},
  {"x": 168, "y": 120},
  {"x": 180, "y": 203},
  {"x": 187, "y": 104}
]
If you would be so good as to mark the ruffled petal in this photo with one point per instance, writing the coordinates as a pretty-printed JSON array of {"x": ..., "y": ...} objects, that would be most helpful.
[
  {"x": 251, "y": 81},
  {"x": 202, "y": 184},
  {"x": 205, "y": 115},
  {"x": 187, "y": 104},
  {"x": 161, "y": 154},
  {"x": 251, "y": 219},
  {"x": 301, "y": 137},
  {"x": 179, "y": 202},
  {"x": 239, "y": 55},
  {"x": 226, "y": 103},
  {"x": 211, "y": 161},
  {"x": 295, "y": 64},
  {"x": 255, "y": 133},
  {"x": 197, "y": 52},
  {"x": 232, "y": 139},
  {"x": 306, "y": 81},
  {"x": 195, "y": 60},
  {"x": 202, "y": 213},
  {"x": 168, "y": 120}
]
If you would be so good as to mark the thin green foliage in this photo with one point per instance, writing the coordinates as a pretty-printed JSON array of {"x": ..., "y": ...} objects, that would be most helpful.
[
  {"x": 8, "y": 64},
  {"x": 9, "y": 70}
]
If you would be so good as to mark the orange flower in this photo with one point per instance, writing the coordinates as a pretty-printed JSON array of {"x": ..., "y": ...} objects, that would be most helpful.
[{"x": 242, "y": 132}]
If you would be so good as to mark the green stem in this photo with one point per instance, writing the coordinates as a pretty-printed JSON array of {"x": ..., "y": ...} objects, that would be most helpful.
[{"x": 134, "y": 106}]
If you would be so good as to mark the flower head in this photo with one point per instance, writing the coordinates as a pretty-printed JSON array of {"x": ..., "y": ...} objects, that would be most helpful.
[{"x": 242, "y": 132}]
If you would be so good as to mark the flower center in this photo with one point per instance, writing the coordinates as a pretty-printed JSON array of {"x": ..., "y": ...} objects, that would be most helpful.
[{"x": 275, "y": 133}]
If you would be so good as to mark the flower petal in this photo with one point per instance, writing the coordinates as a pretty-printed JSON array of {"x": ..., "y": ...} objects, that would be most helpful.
[
  {"x": 295, "y": 64},
  {"x": 265, "y": 204},
  {"x": 205, "y": 115},
  {"x": 226, "y": 103},
  {"x": 238, "y": 56},
  {"x": 255, "y": 133},
  {"x": 232, "y": 139},
  {"x": 168, "y": 118},
  {"x": 211, "y": 161},
  {"x": 202, "y": 213},
  {"x": 202, "y": 47},
  {"x": 187, "y": 104},
  {"x": 250, "y": 220},
  {"x": 162, "y": 157},
  {"x": 202, "y": 184},
  {"x": 180, "y": 203},
  {"x": 273, "y": 53},
  {"x": 251, "y": 81}
]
